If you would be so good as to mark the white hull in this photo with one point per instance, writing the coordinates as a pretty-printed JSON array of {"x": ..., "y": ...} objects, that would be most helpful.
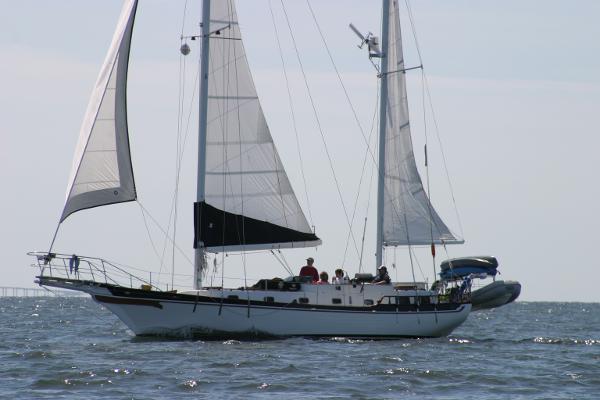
[
  {"x": 181, "y": 319},
  {"x": 152, "y": 313}
]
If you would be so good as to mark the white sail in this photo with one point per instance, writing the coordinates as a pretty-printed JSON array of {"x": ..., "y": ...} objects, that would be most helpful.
[
  {"x": 253, "y": 204},
  {"x": 102, "y": 172},
  {"x": 408, "y": 216}
]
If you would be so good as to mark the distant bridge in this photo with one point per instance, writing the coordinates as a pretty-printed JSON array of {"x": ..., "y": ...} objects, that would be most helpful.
[{"x": 12, "y": 291}]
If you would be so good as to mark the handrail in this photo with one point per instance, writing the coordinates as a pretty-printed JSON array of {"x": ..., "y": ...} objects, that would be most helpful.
[{"x": 92, "y": 269}]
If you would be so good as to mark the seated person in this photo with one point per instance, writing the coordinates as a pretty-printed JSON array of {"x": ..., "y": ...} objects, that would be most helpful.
[
  {"x": 310, "y": 270},
  {"x": 339, "y": 278},
  {"x": 324, "y": 278},
  {"x": 382, "y": 277}
]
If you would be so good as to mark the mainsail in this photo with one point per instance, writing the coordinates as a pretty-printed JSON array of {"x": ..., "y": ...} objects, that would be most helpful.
[
  {"x": 102, "y": 172},
  {"x": 408, "y": 216},
  {"x": 249, "y": 202}
]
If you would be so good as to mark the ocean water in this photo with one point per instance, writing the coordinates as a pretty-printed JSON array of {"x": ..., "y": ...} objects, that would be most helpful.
[{"x": 72, "y": 348}]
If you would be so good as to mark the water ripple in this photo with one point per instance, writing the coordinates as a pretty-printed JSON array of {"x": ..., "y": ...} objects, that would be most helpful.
[{"x": 567, "y": 341}]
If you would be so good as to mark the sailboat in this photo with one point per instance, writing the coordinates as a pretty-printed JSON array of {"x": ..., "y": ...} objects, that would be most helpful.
[{"x": 245, "y": 202}]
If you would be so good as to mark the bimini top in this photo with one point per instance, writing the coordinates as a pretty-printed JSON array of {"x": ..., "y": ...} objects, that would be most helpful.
[{"x": 457, "y": 268}]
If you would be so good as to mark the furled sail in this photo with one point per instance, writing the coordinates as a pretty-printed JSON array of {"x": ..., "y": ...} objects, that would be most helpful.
[
  {"x": 102, "y": 172},
  {"x": 249, "y": 202},
  {"x": 408, "y": 216}
]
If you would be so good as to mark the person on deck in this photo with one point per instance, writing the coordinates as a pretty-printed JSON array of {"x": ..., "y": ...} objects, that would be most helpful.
[
  {"x": 382, "y": 277},
  {"x": 324, "y": 278},
  {"x": 310, "y": 270},
  {"x": 339, "y": 278}
]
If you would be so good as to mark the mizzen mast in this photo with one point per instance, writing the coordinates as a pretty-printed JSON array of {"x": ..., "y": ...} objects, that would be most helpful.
[{"x": 385, "y": 23}]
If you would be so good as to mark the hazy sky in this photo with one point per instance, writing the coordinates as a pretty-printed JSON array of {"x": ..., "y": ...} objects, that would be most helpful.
[{"x": 516, "y": 92}]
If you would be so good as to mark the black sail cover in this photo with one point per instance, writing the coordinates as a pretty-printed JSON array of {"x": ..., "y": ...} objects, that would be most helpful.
[{"x": 216, "y": 229}]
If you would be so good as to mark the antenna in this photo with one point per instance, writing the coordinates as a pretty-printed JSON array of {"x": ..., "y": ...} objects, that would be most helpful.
[
  {"x": 362, "y": 38},
  {"x": 370, "y": 40}
]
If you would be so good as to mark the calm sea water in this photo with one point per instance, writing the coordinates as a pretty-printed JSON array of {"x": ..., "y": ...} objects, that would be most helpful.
[{"x": 72, "y": 348}]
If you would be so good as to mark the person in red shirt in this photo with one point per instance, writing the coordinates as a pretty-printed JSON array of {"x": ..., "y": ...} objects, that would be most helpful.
[{"x": 310, "y": 270}]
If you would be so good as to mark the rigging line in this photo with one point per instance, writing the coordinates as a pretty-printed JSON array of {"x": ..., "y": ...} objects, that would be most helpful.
[
  {"x": 149, "y": 234},
  {"x": 237, "y": 92},
  {"x": 163, "y": 231},
  {"x": 395, "y": 265},
  {"x": 183, "y": 16},
  {"x": 181, "y": 100},
  {"x": 54, "y": 238},
  {"x": 225, "y": 70},
  {"x": 357, "y": 120},
  {"x": 223, "y": 119},
  {"x": 178, "y": 150},
  {"x": 293, "y": 115},
  {"x": 418, "y": 263},
  {"x": 406, "y": 227},
  {"x": 341, "y": 82},
  {"x": 224, "y": 153},
  {"x": 369, "y": 191},
  {"x": 178, "y": 144},
  {"x": 435, "y": 123},
  {"x": 429, "y": 205},
  {"x": 285, "y": 267},
  {"x": 285, "y": 261},
  {"x": 124, "y": 268},
  {"x": 222, "y": 283},
  {"x": 439, "y": 139},
  {"x": 366, "y": 214},
  {"x": 180, "y": 155},
  {"x": 362, "y": 173},
  {"x": 393, "y": 205},
  {"x": 337, "y": 184},
  {"x": 360, "y": 183},
  {"x": 414, "y": 30}
]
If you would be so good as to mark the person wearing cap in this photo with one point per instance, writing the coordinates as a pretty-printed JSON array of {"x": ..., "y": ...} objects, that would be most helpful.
[
  {"x": 310, "y": 270},
  {"x": 382, "y": 277}
]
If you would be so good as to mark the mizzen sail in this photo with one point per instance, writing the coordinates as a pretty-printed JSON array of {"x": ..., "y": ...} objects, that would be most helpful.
[
  {"x": 249, "y": 201},
  {"x": 408, "y": 216},
  {"x": 102, "y": 173}
]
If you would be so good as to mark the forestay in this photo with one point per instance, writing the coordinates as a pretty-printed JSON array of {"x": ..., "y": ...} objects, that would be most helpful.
[
  {"x": 102, "y": 172},
  {"x": 408, "y": 215},
  {"x": 249, "y": 202}
]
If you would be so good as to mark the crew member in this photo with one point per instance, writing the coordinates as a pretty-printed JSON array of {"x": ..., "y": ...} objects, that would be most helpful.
[
  {"x": 382, "y": 277},
  {"x": 310, "y": 270}
]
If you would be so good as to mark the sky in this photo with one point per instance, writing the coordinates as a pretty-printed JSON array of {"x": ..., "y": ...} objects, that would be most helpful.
[{"x": 515, "y": 91}]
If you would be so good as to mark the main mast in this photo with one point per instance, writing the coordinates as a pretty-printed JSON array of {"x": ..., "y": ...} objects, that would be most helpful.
[
  {"x": 382, "y": 124},
  {"x": 199, "y": 256}
]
